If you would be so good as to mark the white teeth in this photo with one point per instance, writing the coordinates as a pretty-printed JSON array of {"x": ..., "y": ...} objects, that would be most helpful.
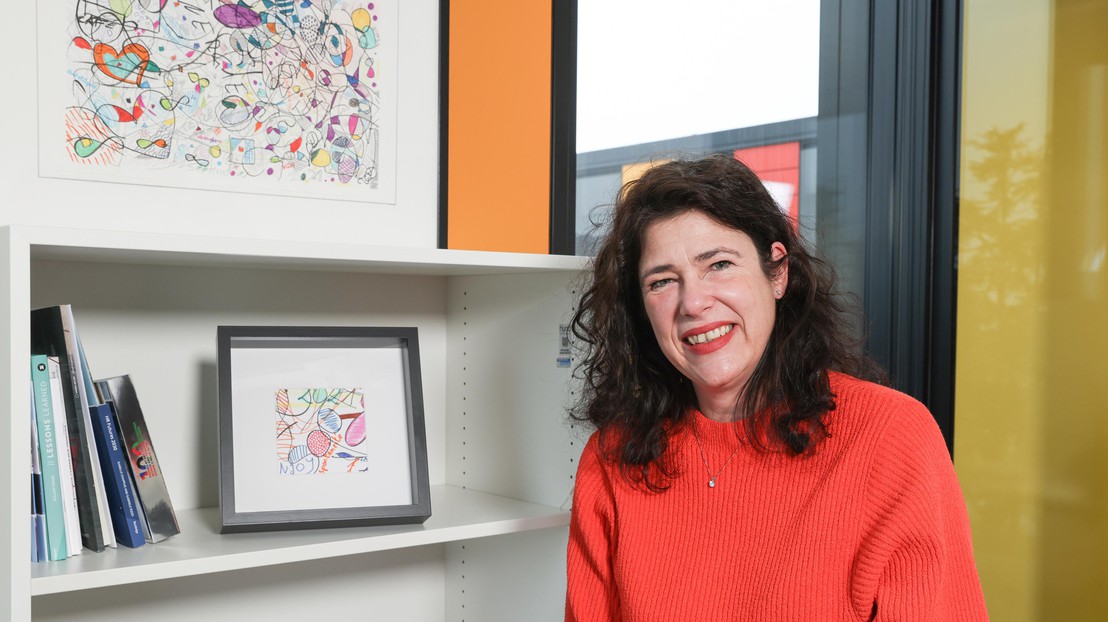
[{"x": 711, "y": 335}]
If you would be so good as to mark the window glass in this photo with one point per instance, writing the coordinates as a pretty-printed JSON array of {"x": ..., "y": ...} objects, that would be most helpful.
[
  {"x": 1030, "y": 420},
  {"x": 785, "y": 86},
  {"x": 659, "y": 79}
]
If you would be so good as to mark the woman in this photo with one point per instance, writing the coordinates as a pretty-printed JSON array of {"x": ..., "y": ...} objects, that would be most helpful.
[{"x": 740, "y": 470}]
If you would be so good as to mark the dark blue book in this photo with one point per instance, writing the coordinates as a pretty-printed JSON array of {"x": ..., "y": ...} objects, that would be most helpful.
[{"x": 122, "y": 503}]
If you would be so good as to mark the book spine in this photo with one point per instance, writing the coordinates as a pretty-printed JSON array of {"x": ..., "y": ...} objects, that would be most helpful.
[
  {"x": 117, "y": 478},
  {"x": 38, "y": 520},
  {"x": 86, "y": 375},
  {"x": 161, "y": 520},
  {"x": 65, "y": 459},
  {"x": 50, "y": 335},
  {"x": 101, "y": 522},
  {"x": 49, "y": 461}
]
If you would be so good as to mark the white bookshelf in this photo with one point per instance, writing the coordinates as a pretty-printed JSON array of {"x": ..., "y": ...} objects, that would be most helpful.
[
  {"x": 501, "y": 456},
  {"x": 200, "y": 549}
]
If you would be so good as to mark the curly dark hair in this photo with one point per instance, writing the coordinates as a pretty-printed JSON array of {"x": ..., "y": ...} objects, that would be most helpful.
[{"x": 634, "y": 396}]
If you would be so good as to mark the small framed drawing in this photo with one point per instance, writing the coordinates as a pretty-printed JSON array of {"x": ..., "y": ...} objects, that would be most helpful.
[{"x": 320, "y": 427}]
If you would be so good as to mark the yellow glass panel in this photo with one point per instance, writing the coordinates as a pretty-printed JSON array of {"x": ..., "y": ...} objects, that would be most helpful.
[{"x": 1031, "y": 438}]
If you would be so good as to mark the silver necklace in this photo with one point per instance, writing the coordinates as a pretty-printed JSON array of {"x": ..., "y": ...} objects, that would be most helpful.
[{"x": 704, "y": 456}]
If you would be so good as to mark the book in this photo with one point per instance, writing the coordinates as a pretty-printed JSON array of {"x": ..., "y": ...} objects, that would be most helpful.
[
  {"x": 92, "y": 399},
  {"x": 49, "y": 459},
  {"x": 53, "y": 334},
  {"x": 86, "y": 375},
  {"x": 161, "y": 521},
  {"x": 38, "y": 519},
  {"x": 122, "y": 503},
  {"x": 34, "y": 539},
  {"x": 65, "y": 458}
]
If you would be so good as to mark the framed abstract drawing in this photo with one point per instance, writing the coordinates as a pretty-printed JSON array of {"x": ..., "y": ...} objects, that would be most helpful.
[
  {"x": 320, "y": 427},
  {"x": 280, "y": 97}
]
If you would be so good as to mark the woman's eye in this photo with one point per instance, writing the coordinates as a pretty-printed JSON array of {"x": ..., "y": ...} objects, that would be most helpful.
[
  {"x": 721, "y": 265},
  {"x": 660, "y": 283}
]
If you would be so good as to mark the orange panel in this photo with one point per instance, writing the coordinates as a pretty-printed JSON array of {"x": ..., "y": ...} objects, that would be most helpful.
[
  {"x": 498, "y": 189},
  {"x": 777, "y": 164}
]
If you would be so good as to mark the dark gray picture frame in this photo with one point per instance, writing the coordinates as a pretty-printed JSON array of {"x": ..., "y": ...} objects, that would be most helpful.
[{"x": 235, "y": 520}]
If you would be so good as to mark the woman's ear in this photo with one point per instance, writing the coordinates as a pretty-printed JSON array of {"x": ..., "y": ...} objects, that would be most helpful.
[{"x": 780, "y": 279}]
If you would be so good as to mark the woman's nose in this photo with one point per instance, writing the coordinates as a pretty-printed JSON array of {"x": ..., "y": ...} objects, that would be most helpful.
[{"x": 696, "y": 297}]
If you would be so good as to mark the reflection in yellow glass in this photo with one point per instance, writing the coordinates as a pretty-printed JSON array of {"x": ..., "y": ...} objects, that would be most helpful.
[{"x": 1031, "y": 404}]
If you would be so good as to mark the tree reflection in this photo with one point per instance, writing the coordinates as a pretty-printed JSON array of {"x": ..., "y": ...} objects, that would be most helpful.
[
  {"x": 1002, "y": 207},
  {"x": 1000, "y": 280}
]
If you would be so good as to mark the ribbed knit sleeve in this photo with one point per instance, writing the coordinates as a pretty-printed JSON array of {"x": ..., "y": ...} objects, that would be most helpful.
[
  {"x": 591, "y": 593},
  {"x": 915, "y": 558}
]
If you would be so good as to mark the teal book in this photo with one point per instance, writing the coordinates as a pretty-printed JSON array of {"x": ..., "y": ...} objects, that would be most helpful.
[{"x": 53, "y": 495}]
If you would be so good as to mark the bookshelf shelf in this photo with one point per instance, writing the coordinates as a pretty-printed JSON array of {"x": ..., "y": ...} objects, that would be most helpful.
[
  {"x": 459, "y": 514},
  {"x": 501, "y": 454},
  {"x": 60, "y": 244}
]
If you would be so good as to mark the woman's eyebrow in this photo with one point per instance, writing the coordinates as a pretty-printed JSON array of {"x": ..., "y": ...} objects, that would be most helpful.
[
  {"x": 719, "y": 250},
  {"x": 655, "y": 270},
  {"x": 700, "y": 258}
]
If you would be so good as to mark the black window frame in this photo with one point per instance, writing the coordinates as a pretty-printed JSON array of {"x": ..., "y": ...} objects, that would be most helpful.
[{"x": 909, "y": 63}]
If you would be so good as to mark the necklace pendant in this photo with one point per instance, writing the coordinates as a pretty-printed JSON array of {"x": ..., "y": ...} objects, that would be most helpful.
[{"x": 712, "y": 483}]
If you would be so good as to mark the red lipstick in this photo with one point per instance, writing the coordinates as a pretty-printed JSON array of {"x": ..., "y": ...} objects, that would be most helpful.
[{"x": 709, "y": 346}]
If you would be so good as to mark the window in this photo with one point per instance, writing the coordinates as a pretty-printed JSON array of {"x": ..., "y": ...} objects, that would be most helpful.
[
  {"x": 656, "y": 80},
  {"x": 847, "y": 109}
]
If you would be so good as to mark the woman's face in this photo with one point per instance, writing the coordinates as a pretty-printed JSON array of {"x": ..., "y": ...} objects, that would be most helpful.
[{"x": 710, "y": 303}]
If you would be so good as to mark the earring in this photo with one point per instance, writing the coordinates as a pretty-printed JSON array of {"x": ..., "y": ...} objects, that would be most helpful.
[{"x": 777, "y": 293}]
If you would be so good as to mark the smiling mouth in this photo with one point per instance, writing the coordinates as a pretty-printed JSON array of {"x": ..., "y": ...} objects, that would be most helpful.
[{"x": 711, "y": 335}]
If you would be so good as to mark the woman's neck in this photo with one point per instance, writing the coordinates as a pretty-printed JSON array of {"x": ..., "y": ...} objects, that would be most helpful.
[{"x": 721, "y": 407}]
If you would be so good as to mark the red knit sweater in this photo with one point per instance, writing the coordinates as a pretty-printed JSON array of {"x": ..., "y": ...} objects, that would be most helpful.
[{"x": 872, "y": 526}]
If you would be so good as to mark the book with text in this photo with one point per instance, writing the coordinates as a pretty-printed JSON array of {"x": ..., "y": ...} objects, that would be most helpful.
[
  {"x": 161, "y": 521},
  {"x": 126, "y": 520},
  {"x": 53, "y": 513},
  {"x": 65, "y": 458}
]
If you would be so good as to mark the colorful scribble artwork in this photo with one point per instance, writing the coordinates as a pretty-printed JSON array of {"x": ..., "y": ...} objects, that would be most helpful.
[
  {"x": 320, "y": 430},
  {"x": 293, "y": 92}
]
